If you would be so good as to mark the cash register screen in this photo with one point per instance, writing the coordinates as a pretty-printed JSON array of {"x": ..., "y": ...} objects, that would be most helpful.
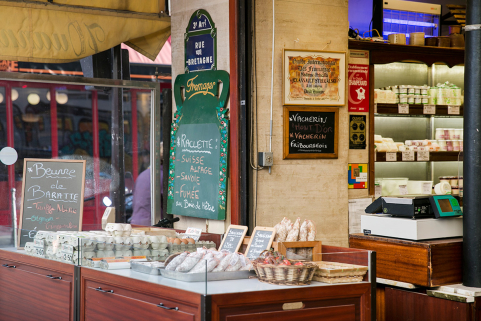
[{"x": 445, "y": 205}]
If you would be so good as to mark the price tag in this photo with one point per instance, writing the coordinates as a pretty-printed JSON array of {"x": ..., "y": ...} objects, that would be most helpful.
[
  {"x": 423, "y": 156},
  {"x": 38, "y": 243},
  {"x": 408, "y": 156},
  {"x": 453, "y": 110},
  {"x": 375, "y": 108},
  {"x": 38, "y": 251},
  {"x": 391, "y": 157},
  {"x": 377, "y": 191},
  {"x": 427, "y": 188},
  {"x": 403, "y": 189},
  {"x": 429, "y": 109},
  {"x": 193, "y": 233},
  {"x": 403, "y": 108}
]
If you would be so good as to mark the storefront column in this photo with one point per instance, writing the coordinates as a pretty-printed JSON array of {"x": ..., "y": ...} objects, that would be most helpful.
[{"x": 472, "y": 148}]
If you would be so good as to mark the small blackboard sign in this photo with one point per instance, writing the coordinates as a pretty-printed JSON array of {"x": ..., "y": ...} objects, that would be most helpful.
[
  {"x": 261, "y": 240},
  {"x": 52, "y": 197},
  {"x": 233, "y": 238},
  {"x": 311, "y": 132}
]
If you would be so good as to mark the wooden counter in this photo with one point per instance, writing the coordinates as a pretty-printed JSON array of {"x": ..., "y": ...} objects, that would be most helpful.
[
  {"x": 35, "y": 289},
  {"x": 425, "y": 263},
  {"x": 32, "y": 290}
]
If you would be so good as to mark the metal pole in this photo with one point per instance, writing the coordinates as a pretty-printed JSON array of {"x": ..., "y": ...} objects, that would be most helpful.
[
  {"x": 472, "y": 150},
  {"x": 117, "y": 133},
  {"x": 14, "y": 217}
]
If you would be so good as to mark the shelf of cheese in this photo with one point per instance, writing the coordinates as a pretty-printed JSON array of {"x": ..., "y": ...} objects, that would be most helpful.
[
  {"x": 417, "y": 110},
  {"x": 433, "y": 156}
]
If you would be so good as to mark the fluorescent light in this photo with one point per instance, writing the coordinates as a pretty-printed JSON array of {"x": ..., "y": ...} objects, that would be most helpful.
[{"x": 411, "y": 23}]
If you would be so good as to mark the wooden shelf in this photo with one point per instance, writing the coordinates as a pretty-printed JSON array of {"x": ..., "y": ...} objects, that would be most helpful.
[
  {"x": 433, "y": 157},
  {"x": 382, "y": 53},
  {"x": 415, "y": 110}
]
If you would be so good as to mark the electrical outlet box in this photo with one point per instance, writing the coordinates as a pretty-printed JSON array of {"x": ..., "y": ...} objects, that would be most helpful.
[{"x": 265, "y": 159}]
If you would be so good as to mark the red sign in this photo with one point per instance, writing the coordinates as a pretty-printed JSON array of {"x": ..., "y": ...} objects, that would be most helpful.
[
  {"x": 358, "y": 77},
  {"x": 6, "y": 65}
]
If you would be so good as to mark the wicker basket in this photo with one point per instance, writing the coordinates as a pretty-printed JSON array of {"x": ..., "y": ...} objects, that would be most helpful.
[
  {"x": 333, "y": 272},
  {"x": 285, "y": 274}
]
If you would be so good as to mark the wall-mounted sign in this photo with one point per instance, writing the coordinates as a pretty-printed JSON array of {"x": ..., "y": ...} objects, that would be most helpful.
[
  {"x": 7, "y": 65},
  {"x": 52, "y": 197},
  {"x": 199, "y": 146},
  {"x": 310, "y": 132},
  {"x": 357, "y": 176},
  {"x": 314, "y": 78},
  {"x": 357, "y": 132},
  {"x": 200, "y": 43},
  {"x": 358, "y": 78}
]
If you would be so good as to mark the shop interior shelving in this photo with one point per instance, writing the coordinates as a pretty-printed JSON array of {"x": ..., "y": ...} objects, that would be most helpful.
[{"x": 435, "y": 64}]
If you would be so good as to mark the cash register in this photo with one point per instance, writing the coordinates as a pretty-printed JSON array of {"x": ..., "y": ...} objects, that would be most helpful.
[{"x": 414, "y": 217}]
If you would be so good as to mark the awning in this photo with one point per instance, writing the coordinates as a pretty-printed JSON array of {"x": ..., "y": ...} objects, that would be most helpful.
[
  {"x": 69, "y": 30},
  {"x": 163, "y": 58}
]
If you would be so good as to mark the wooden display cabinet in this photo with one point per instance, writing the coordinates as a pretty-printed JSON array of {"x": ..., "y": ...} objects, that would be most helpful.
[{"x": 35, "y": 289}]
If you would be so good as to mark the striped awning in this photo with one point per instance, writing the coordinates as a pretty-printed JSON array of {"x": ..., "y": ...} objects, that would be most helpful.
[{"x": 68, "y": 30}]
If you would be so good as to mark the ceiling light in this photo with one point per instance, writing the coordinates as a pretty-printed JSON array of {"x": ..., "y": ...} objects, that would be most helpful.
[
  {"x": 33, "y": 99},
  {"x": 14, "y": 94},
  {"x": 62, "y": 98}
]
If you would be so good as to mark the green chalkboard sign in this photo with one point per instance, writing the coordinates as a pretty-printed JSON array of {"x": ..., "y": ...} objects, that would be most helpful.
[
  {"x": 52, "y": 197},
  {"x": 199, "y": 146}
]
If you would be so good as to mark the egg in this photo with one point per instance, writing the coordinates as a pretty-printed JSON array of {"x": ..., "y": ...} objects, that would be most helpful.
[
  {"x": 191, "y": 241},
  {"x": 185, "y": 241},
  {"x": 169, "y": 240},
  {"x": 177, "y": 241}
]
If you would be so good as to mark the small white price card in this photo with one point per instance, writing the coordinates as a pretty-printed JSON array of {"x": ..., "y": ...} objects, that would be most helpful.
[
  {"x": 391, "y": 157},
  {"x": 377, "y": 191},
  {"x": 453, "y": 110},
  {"x": 427, "y": 188},
  {"x": 403, "y": 108},
  {"x": 429, "y": 109},
  {"x": 423, "y": 156},
  {"x": 193, "y": 233},
  {"x": 408, "y": 156},
  {"x": 403, "y": 189}
]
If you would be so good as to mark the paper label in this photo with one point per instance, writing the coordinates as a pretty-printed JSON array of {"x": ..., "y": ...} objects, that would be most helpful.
[
  {"x": 403, "y": 189},
  {"x": 362, "y": 177},
  {"x": 427, "y": 188},
  {"x": 408, "y": 156},
  {"x": 38, "y": 243},
  {"x": 403, "y": 108},
  {"x": 375, "y": 108},
  {"x": 423, "y": 156},
  {"x": 38, "y": 251},
  {"x": 453, "y": 110},
  {"x": 391, "y": 157},
  {"x": 429, "y": 109},
  {"x": 66, "y": 248},
  {"x": 377, "y": 191},
  {"x": 193, "y": 233}
]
